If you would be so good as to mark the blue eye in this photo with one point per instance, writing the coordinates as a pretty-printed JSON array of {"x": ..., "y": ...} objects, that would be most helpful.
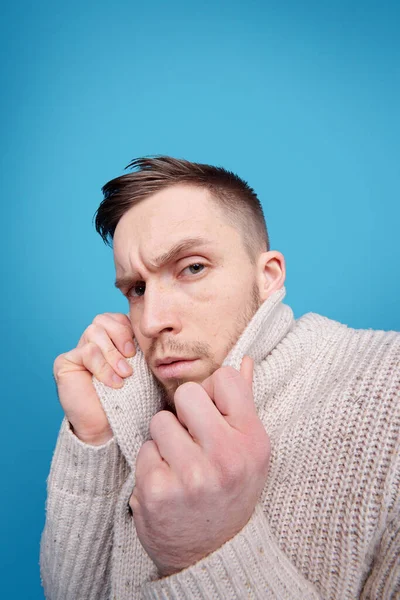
[{"x": 196, "y": 268}]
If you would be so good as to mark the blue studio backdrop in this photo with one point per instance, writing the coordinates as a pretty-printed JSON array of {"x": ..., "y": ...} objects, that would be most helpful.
[{"x": 299, "y": 98}]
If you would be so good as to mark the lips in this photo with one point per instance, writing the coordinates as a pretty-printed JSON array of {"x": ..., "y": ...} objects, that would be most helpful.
[
  {"x": 171, "y": 359},
  {"x": 177, "y": 367}
]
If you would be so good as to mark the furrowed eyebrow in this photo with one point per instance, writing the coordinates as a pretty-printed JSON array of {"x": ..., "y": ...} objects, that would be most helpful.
[{"x": 123, "y": 282}]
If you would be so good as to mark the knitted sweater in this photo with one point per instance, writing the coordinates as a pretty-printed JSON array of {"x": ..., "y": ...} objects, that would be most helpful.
[{"x": 327, "y": 523}]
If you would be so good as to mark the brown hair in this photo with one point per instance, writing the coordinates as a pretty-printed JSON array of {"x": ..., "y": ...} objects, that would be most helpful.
[{"x": 152, "y": 174}]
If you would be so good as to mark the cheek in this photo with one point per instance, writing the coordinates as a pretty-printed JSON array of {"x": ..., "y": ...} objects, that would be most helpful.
[
  {"x": 144, "y": 343},
  {"x": 227, "y": 305},
  {"x": 216, "y": 320},
  {"x": 225, "y": 315}
]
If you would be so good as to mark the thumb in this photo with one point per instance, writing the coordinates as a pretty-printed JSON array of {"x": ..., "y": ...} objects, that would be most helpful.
[
  {"x": 247, "y": 369},
  {"x": 232, "y": 393}
]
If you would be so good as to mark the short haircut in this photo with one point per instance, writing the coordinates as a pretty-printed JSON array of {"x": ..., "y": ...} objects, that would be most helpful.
[{"x": 149, "y": 175}]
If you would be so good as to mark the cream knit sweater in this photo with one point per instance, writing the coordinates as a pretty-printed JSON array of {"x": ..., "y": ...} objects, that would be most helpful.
[{"x": 327, "y": 523}]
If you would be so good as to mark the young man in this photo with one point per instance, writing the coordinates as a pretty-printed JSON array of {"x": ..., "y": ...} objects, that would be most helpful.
[{"x": 231, "y": 451}]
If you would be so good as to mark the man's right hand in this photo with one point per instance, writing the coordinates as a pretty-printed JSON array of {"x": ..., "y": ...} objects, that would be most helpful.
[{"x": 100, "y": 352}]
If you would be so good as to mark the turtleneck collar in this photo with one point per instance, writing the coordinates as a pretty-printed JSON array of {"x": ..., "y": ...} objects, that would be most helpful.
[
  {"x": 130, "y": 408},
  {"x": 265, "y": 330}
]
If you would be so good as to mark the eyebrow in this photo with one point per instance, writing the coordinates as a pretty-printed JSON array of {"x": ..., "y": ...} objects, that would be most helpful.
[{"x": 123, "y": 282}]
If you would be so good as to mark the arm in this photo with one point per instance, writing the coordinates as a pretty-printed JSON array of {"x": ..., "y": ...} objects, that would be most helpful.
[
  {"x": 83, "y": 486},
  {"x": 88, "y": 468}
]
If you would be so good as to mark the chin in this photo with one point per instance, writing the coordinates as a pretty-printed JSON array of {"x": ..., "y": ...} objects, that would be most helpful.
[{"x": 169, "y": 387}]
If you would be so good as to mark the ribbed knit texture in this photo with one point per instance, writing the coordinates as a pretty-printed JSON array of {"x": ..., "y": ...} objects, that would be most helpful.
[
  {"x": 77, "y": 541},
  {"x": 327, "y": 523}
]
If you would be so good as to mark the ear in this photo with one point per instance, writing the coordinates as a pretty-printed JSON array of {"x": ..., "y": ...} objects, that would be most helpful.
[{"x": 271, "y": 273}]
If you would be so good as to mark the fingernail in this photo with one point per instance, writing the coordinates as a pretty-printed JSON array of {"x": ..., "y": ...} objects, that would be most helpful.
[
  {"x": 129, "y": 348},
  {"x": 123, "y": 366},
  {"x": 117, "y": 379}
]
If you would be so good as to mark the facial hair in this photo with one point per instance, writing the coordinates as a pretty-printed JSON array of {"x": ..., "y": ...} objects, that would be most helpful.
[{"x": 203, "y": 350}]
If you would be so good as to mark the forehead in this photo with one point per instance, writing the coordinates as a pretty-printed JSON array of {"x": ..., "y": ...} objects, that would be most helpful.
[{"x": 162, "y": 219}]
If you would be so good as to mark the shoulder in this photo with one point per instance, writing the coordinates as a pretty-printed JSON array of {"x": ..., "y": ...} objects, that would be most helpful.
[
  {"x": 365, "y": 361},
  {"x": 322, "y": 329}
]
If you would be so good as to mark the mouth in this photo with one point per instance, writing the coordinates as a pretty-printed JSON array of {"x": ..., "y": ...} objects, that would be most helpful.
[{"x": 174, "y": 367}]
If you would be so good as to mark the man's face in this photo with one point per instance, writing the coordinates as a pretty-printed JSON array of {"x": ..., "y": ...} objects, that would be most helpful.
[{"x": 196, "y": 303}]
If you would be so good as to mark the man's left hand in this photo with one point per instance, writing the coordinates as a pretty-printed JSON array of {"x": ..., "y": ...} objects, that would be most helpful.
[{"x": 198, "y": 480}]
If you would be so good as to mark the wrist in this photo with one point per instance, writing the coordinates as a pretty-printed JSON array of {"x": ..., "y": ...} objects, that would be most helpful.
[{"x": 98, "y": 439}]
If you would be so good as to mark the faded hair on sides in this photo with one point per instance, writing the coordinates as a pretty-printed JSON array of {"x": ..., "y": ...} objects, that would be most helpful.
[{"x": 149, "y": 175}]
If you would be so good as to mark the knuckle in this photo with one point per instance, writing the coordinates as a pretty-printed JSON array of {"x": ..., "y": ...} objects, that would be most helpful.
[
  {"x": 126, "y": 334},
  {"x": 91, "y": 330},
  {"x": 112, "y": 353},
  {"x": 58, "y": 361},
  {"x": 232, "y": 472},
  {"x": 126, "y": 324},
  {"x": 99, "y": 320},
  {"x": 117, "y": 321},
  {"x": 90, "y": 350},
  {"x": 194, "y": 480},
  {"x": 104, "y": 370},
  {"x": 58, "y": 365},
  {"x": 121, "y": 317},
  {"x": 155, "y": 489},
  {"x": 123, "y": 329}
]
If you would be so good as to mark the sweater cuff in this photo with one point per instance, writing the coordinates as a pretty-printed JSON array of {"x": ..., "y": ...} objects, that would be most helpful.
[
  {"x": 82, "y": 469},
  {"x": 250, "y": 565}
]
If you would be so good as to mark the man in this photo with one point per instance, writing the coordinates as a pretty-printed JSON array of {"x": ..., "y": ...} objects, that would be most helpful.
[{"x": 232, "y": 452}]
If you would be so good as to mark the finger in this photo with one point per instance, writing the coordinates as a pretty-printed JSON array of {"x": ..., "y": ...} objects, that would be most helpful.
[
  {"x": 97, "y": 335},
  {"x": 149, "y": 463},
  {"x": 120, "y": 318},
  {"x": 148, "y": 459},
  {"x": 174, "y": 443},
  {"x": 120, "y": 334},
  {"x": 198, "y": 413},
  {"x": 247, "y": 369},
  {"x": 232, "y": 395},
  {"x": 91, "y": 358}
]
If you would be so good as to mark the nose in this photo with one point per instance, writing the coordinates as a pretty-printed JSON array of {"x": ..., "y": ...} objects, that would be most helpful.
[{"x": 160, "y": 311}]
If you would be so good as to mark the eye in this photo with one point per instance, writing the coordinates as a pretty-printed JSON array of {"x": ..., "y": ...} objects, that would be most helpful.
[
  {"x": 195, "y": 268},
  {"x": 137, "y": 290}
]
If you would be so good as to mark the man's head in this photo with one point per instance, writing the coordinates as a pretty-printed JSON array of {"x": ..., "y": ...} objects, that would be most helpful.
[{"x": 192, "y": 255}]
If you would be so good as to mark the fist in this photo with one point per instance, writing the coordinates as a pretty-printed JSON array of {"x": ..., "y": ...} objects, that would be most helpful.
[
  {"x": 101, "y": 351},
  {"x": 199, "y": 478}
]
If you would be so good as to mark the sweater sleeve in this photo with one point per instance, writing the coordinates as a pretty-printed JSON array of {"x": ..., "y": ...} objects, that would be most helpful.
[
  {"x": 75, "y": 549},
  {"x": 250, "y": 565}
]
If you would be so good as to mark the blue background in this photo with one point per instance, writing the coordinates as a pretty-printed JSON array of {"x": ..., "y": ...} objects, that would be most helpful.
[{"x": 299, "y": 98}]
